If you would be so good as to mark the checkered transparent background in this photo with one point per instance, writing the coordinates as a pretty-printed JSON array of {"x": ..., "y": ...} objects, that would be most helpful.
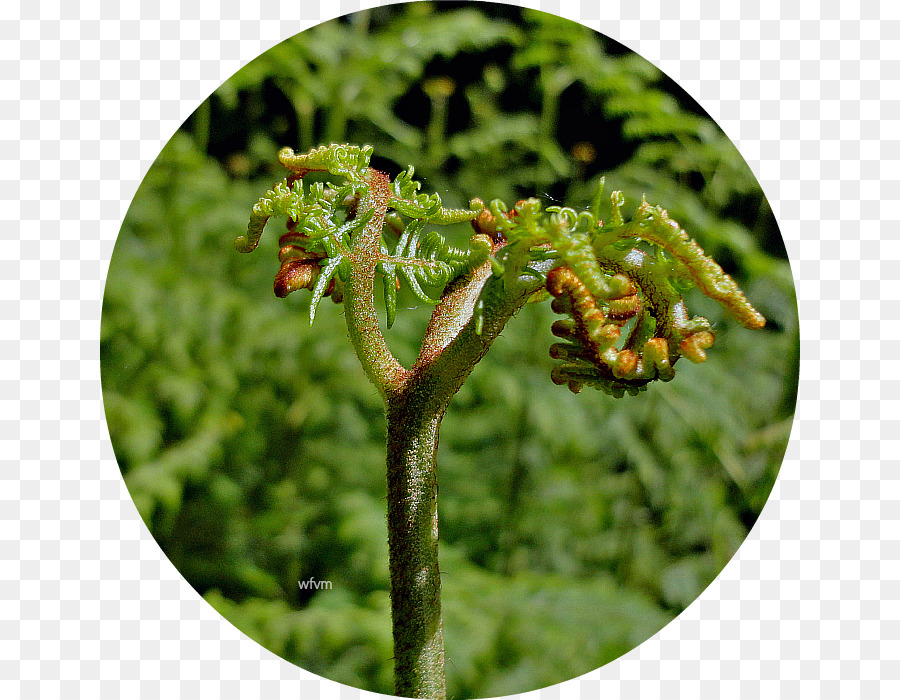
[{"x": 89, "y": 93}]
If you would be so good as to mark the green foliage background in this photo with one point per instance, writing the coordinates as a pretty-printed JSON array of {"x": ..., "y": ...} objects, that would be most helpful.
[{"x": 572, "y": 527}]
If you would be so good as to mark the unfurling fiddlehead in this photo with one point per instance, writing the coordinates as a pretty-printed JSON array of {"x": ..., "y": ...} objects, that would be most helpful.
[
  {"x": 620, "y": 284},
  {"x": 323, "y": 221}
]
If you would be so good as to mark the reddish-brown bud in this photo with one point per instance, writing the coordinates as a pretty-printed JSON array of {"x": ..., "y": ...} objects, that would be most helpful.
[
  {"x": 294, "y": 275},
  {"x": 485, "y": 223}
]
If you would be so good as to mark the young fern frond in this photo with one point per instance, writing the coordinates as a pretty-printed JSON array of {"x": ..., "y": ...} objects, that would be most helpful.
[
  {"x": 608, "y": 276},
  {"x": 318, "y": 291},
  {"x": 620, "y": 283},
  {"x": 649, "y": 291},
  {"x": 619, "y": 287}
]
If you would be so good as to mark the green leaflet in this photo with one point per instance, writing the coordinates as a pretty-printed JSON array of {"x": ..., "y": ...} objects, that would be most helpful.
[
  {"x": 389, "y": 279},
  {"x": 428, "y": 208},
  {"x": 425, "y": 258},
  {"x": 322, "y": 284},
  {"x": 412, "y": 280},
  {"x": 452, "y": 216},
  {"x": 248, "y": 242}
]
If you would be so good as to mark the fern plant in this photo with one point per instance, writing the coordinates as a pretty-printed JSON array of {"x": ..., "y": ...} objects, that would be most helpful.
[{"x": 618, "y": 285}]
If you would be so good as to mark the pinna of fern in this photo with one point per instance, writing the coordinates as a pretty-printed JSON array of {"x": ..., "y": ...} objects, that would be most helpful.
[{"x": 619, "y": 284}]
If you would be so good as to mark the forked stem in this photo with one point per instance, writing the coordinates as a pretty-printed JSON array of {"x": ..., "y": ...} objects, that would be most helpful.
[
  {"x": 595, "y": 280},
  {"x": 414, "y": 414}
]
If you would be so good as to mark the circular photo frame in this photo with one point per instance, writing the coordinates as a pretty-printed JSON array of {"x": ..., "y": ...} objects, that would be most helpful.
[{"x": 509, "y": 211}]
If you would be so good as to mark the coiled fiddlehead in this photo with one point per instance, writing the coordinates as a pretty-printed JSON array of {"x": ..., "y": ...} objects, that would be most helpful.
[{"x": 620, "y": 285}]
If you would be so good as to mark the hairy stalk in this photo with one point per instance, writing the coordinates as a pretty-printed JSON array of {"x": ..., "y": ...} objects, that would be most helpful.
[
  {"x": 414, "y": 415},
  {"x": 413, "y": 547},
  {"x": 359, "y": 293}
]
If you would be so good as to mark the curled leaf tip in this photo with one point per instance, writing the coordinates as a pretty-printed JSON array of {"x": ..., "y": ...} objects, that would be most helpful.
[
  {"x": 694, "y": 345},
  {"x": 247, "y": 242},
  {"x": 336, "y": 158}
]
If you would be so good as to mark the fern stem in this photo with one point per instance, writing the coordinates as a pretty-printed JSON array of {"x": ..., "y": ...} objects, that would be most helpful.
[
  {"x": 413, "y": 547},
  {"x": 414, "y": 413},
  {"x": 376, "y": 358}
]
